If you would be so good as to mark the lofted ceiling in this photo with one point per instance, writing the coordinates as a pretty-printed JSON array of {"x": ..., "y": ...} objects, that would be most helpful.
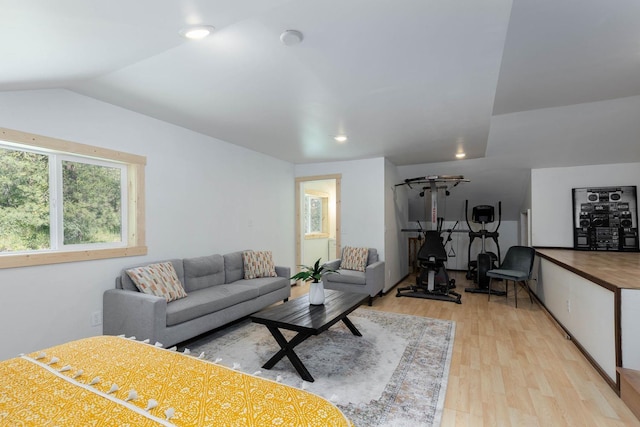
[{"x": 414, "y": 81}]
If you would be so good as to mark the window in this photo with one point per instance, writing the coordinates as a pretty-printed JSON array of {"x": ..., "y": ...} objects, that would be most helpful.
[
  {"x": 62, "y": 201},
  {"x": 92, "y": 207},
  {"x": 316, "y": 210}
]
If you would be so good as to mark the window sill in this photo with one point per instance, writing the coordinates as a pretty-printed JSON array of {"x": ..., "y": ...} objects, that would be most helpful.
[
  {"x": 29, "y": 260},
  {"x": 316, "y": 236}
]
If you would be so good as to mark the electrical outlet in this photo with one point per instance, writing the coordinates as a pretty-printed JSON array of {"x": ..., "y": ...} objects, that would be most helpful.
[
  {"x": 96, "y": 318},
  {"x": 568, "y": 306}
]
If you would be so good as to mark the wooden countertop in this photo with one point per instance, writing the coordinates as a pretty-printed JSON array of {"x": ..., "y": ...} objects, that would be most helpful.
[{"x": 610, "y": 269}]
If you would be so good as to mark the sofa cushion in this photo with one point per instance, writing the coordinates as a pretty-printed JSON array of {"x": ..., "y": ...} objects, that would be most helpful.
[
  {"x": 202, "y": 272},
  {"x": 258, "y": 264},
  {"x": 266, "y": 285},
  {"x": 158, "y": 279},
  {"x": 354, "y": 258},
  {"x": 124, "y": 281},
  {"x": 208, "y": 300},
  {"x": 346, "y": 276},
  {"x": 233, "y": 267}
]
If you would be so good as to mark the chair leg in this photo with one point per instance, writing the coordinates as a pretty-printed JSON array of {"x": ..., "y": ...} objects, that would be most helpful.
[
  {"x": 490, "y": 280},
  {"x": 525, "y": 285},
  {"x": 370, "y": 300},
  {"x": 515, "y": 291}
]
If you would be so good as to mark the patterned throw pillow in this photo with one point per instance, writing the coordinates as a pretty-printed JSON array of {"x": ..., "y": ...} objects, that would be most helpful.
[
  {"x": 158, "y": 279},
  {"x": 354, "y": 258},
  {"x": 258, "y": 264}
]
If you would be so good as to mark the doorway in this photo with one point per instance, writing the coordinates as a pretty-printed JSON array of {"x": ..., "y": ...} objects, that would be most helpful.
[{"x": 317, "y": 218}]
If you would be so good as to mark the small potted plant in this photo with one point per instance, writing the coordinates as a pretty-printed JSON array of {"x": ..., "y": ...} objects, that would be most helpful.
[{"x": 314, "y": 275}]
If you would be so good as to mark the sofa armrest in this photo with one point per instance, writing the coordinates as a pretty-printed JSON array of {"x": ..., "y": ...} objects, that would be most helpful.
[
  {"x": 283, "y": 271},
  {"x": 133, "y": 314},
  {"x": 374, "y": 277}
]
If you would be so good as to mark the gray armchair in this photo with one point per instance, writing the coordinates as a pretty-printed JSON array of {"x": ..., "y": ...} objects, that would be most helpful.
[{"x": 369, "y": 282}]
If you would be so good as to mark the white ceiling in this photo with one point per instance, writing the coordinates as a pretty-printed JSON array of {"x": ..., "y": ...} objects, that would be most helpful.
[{"x": 411, "y": 80}]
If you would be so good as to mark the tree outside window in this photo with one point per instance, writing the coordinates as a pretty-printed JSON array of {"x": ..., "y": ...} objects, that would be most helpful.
[
  {"x": 24, "y": 201},
  {"x": 92, "y": 203}
]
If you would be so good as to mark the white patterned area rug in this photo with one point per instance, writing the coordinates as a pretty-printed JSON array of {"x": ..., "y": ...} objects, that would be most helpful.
[{"x": 394, "y": 375}]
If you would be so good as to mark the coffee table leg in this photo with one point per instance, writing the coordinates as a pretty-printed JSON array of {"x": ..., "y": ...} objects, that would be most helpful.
[
  {"x": 286, "y": 349},
  {"x": 351, "y": 327}
]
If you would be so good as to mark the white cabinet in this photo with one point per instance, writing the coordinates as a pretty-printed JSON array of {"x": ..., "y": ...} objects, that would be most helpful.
[
  {"x": 630, "y": 326},
  {"x": 585, "y": 309}
]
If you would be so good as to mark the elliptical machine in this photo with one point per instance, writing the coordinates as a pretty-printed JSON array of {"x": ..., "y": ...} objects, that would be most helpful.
[{"x": 485, "y": 261}]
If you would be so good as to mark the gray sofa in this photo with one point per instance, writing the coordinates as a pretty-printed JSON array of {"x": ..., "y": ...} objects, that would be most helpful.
[
  {"x": 217, "y": 294},
  {"x": 370, "y": 281}
]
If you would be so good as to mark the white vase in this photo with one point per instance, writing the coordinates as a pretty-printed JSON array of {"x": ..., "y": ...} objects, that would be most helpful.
[{"x": 316, "y": 293}]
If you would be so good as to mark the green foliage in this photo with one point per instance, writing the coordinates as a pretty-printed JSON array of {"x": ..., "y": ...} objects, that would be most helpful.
[
  {"x": 24, "y": 201},
  {"x": 314, "y": 273},
  {"x": 91, "y": 202}
]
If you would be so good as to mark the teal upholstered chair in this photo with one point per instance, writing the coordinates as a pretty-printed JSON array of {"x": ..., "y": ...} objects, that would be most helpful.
[{"x": 516, "y": 267}]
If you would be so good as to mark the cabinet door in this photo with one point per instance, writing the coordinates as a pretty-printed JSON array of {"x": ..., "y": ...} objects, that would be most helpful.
[
  {"x": 593, "y": 322},
  {"x": 583, "y": 308},
  {"x": 630, "y": 326}
]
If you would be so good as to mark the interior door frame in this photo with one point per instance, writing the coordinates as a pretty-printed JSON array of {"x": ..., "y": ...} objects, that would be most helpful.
[
  {"x": 525, "y": 228},
  {"x": 298, "y": 182}
]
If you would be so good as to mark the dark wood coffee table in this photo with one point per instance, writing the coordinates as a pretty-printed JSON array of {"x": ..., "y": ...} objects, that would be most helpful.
[{"x": 297, "y": 315}]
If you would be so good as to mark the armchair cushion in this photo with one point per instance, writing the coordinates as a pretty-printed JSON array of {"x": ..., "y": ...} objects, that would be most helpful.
[
  {"x": 346, "y": 276},
  {"x": 354, "y": 258}
]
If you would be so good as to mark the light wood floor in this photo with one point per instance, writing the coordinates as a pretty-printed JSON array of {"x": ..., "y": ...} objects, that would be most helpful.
[{"x": 512, "y": 367}]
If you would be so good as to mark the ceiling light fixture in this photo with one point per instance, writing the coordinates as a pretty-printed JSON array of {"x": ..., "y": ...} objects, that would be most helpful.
[
  {"x": 291, "y": 37},
  {"x": 341, "y": 138},
  {"x": 197, "y": 32},
  {"x": 460, "y": 155}
]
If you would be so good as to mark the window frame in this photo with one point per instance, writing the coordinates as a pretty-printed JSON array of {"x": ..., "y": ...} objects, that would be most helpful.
[
  {"x": 135, "y": 201},
  {"x": 58, "y": 243},
  {"x": 324, "y": 221}
]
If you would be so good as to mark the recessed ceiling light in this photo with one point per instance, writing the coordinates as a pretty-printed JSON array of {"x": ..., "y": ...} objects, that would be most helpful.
[
  {"x": 197, "y": 32},
  {"x": 460, "y": 155},
  {"x": 291, "y": 37},
  {"x": 340, "y": 138}
]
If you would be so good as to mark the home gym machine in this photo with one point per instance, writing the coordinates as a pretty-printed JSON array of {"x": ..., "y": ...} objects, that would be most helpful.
[
  {"x": 485, "y": 261},
  {"x": 433, "y": 281}
]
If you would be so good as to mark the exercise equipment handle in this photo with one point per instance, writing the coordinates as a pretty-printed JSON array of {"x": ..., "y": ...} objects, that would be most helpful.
[{"x": 466, "y": 214}]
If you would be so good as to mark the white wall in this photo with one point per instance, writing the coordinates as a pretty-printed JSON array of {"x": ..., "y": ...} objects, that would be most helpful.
[
  {"x": 395, "y": 215},
  {"x": 551, "y": 198},
  {"x": 362, "y": 200},
  {"x": 203, "y": 196}
]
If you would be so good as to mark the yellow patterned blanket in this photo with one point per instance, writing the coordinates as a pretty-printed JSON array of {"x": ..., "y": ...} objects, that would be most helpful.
[{"x": 114, "y": 381}]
